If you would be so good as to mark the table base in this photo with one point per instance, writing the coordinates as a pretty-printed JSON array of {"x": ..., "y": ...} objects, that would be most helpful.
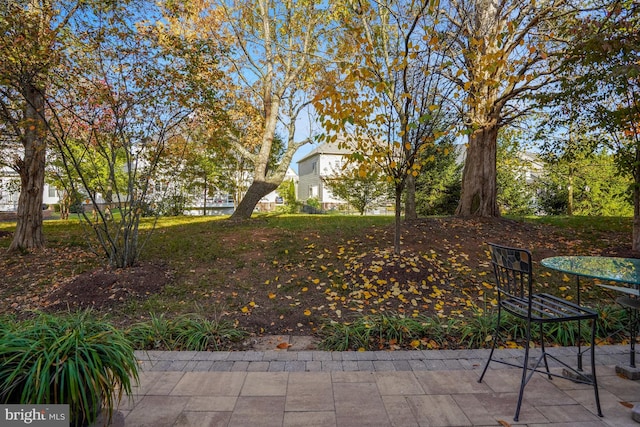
[
  {"x": 628, "y": 372},
  {"x": 570, "y": 375}
]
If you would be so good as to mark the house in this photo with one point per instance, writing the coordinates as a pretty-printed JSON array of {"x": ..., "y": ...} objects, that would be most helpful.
[
  {"x": 533, "y": 166},
  {"x": 273, "y": 200},
  {"x": 10, "y": 191},
  {"x": 324, "y": 161}
]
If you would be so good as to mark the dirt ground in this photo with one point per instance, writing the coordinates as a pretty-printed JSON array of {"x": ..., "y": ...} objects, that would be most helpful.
[{"x": 442, "y": 270}]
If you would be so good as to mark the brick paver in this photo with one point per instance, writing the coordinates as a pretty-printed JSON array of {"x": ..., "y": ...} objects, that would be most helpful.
[{"x": 401, "y": 388}]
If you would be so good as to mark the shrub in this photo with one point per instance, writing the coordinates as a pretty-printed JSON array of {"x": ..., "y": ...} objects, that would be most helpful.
[
  {"x": 154, "y": 334},
  {"x": 74, "y": 359},
  {"x": 342, "y": 337},
  {"x": 390, "y": 330},
  {"x": 479, "y": 331},
  {"x": 189, "y": 332},
  {"x": 197, "y": 333}
]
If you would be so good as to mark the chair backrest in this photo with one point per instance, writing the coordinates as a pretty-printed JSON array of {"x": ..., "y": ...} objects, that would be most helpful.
[{"x": 513, "y": 270}]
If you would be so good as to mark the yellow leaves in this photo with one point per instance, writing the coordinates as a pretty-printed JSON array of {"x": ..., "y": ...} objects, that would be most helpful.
[
  {"x": 272, "y": 295},
  {"x": 565, "y": 278},
  {"x": 307, "y": 312},
  {"x": 476, "y": 42},
  {"x": 467, "y": 85}
]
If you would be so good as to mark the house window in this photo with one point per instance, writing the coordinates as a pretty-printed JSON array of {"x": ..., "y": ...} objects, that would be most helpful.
[
  {"x": 52, "y": 191},
  {"x": 313, "y": 191},
  {"x": 314, "y": 168}
]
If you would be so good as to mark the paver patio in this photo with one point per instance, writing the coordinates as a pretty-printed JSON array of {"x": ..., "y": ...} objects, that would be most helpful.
[{"x": 403, "y": 388}]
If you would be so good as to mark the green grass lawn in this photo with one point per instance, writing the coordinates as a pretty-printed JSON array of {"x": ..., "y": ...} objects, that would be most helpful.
[{"x": 296, "y": 274}]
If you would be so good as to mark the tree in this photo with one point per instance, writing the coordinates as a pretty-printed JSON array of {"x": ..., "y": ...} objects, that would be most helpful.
[
  {"x": 120, "y": 101},
  {"x": 568, "y": 142},
  {"x": 602, "y": 75},
  {"x": 361, "y": 192},
  {"x": 503, "y": 53},
  {"x": 387, "y": 101},
  {"x": 438, "y": 185},
  {"x": 584, "y": 185},
  {"x": 32, "y": 37},
  {"x": 273, "y": 63},
  {"x": 190, "y": 158},
  {"x": 287, "y": 190},
  {"x": 516, "y": 188}
]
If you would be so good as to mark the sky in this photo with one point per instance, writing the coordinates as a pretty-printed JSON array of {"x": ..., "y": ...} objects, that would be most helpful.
[{"x": 306, "y": 127}]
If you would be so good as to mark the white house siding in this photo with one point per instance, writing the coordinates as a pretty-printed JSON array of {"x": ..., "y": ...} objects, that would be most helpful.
[
  {"x": 10, "y": 191},
  {"x": 9, "y": 180},
  {"x": 324, "y": 161}
]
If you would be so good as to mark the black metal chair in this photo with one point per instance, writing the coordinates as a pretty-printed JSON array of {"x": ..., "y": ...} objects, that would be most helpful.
[{"x": 514, "y": 277}]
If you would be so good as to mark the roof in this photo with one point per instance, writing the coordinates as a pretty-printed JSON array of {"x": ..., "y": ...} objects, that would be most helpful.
[{"x": 328, "y": 148}]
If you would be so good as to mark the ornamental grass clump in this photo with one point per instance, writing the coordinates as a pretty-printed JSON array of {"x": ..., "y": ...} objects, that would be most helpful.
[
  {"x": 188, "y": 332},
  {"x": 73, "y": 359}
]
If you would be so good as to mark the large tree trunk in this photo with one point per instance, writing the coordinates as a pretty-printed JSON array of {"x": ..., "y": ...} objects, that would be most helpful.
[
  {"x": 256, "y": 191},
  {"x": 28, "y": 234},
  {"x": 479, "y": 187}
]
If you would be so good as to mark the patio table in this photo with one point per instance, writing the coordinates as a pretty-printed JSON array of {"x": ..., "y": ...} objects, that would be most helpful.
[{"x": 622, "y": 271}]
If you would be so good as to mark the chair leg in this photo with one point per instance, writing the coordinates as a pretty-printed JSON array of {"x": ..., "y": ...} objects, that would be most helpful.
[
  {"x": 525, "y": 369},
  {"x": 593, "y": 365},
  {"x": 544, "y": 351},
  {"x": 493, "y": 345}
]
